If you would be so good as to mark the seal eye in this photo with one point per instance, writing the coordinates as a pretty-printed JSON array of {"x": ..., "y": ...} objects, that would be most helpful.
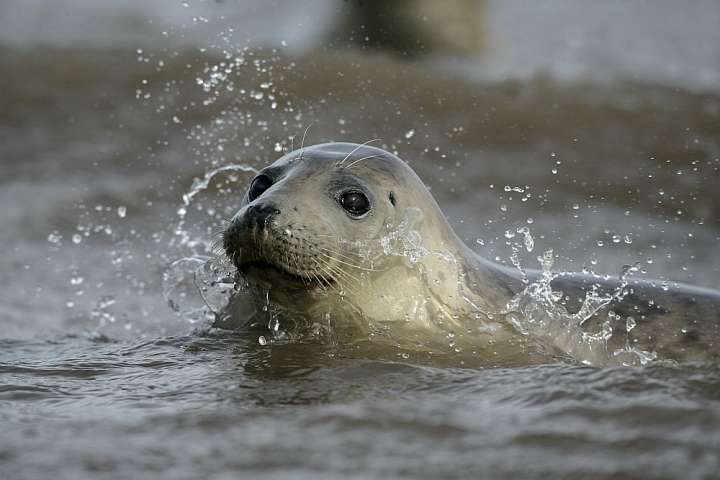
[
  {"x": 258, "y": 186},
  {"x": 355, "y": 203}
]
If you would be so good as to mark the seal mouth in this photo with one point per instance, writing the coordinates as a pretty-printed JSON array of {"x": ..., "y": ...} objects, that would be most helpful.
[{"x": 272, "y": 273}]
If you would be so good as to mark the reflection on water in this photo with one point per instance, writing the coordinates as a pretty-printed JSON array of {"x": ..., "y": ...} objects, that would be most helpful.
[{"x": 601, "y": 140}]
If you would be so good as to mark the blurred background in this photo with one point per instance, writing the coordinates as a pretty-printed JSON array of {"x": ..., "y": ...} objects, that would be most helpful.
[{"x": 594, "y": 124}]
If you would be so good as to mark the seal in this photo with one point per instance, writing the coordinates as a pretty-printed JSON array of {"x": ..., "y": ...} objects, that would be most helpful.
[{"x": 346, "y": 238}]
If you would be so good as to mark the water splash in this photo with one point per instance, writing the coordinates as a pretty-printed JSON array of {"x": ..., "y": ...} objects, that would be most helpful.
[
  {"x": 185, "y": 238},
  {"x": 405, "y": 241},
  {"x": 180, "y": 289},
  {"x": 212, "y": 277},
  {"x": 536, "y": 312}
]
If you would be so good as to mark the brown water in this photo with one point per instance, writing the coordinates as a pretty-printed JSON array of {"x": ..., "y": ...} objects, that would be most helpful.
[{"x": 609, "y": 155}]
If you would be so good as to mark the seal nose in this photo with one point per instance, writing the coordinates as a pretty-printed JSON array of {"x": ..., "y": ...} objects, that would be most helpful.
[
  {"x": 247, "y": 228},
  {"x": 259, "y": 215}
]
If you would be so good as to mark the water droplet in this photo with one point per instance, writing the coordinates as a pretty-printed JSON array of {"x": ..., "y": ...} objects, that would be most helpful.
[
  {"x": 409, "y": 133},
  {"x": 528, "y": 240},
  {"x": 630, "y": 323},
  {"x": 262, "y": 340},
  {"x": 54, "y": 237}
]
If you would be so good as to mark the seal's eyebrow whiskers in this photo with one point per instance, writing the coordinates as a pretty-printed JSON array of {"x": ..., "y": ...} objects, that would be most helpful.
[
  {"x": 357, "y": 148},
  {"x": 364, "y": 158},
  {"x": 302, "y": 142}
]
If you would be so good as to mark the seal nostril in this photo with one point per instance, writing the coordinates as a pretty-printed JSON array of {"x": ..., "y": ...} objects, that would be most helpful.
[{"x": 260, "y": 214}]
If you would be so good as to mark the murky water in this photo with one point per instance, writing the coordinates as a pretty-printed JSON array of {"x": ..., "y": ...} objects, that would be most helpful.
[{"x": 602, "y": 138}]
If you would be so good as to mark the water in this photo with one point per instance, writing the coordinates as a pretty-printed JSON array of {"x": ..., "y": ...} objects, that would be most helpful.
[
  {"x": 180, "y": 406},
  {"x": 606, "y": 134}
]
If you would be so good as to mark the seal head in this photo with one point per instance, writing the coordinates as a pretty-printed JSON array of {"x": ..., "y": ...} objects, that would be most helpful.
[{"x": 353, "y": 225}]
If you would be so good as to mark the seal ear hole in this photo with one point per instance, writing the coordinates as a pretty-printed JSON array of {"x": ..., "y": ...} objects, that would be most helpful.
[
  {"x": 258, "y": 186},
  {"x": 355, "y": 203},
  {"x": 391, "y": 196}
]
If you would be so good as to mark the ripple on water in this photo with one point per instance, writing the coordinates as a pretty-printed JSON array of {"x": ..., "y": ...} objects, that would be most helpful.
[{"x": 216, "y": 404}]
